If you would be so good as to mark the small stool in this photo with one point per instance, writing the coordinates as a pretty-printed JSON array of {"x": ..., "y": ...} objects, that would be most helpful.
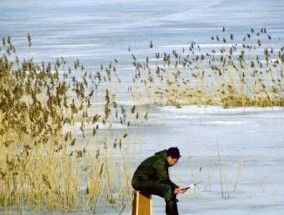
[{"x": 142, "y": 203}]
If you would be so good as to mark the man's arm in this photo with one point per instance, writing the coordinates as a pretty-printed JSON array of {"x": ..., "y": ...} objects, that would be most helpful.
[{"x": 162, "y": 173}]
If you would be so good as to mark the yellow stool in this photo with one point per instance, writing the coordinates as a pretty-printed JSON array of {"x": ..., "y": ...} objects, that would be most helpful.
[{"x": 142, "y": 203}]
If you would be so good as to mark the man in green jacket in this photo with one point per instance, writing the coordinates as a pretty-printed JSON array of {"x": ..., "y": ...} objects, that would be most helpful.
[{"x": 152, "y": 176}]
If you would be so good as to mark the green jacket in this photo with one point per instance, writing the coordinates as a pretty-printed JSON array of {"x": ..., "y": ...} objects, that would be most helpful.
[{"x": 155, "y": 168}]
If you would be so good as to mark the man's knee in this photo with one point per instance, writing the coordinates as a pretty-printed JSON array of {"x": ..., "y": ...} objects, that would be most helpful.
[{"x": 163, "y": 190}]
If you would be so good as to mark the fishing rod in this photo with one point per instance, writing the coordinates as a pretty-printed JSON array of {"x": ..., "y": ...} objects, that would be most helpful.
[{"x": 192, "y": 185}]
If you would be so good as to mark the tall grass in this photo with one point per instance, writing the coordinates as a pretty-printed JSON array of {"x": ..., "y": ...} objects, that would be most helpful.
[
  {"x": 223, "y": 182},
  {"x": 233, "y": 73},
  {"x": 240, "y": 167},
  {"x": 58, "y": 146},
  {"x": 58, "y": 149}
]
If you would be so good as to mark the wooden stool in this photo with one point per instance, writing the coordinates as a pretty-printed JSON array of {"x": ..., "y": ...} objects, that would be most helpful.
[{"x": 142, "y": 203}]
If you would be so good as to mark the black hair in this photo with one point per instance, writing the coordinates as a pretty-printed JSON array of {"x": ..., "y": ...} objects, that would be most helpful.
[{"x": 173, "y": 152}]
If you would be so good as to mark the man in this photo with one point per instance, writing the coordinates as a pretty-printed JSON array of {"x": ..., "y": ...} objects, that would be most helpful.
[{"x": 152, "y": 176}]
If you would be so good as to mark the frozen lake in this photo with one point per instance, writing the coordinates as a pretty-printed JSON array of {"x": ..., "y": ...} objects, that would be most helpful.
[
  {"x": 99, "y": 31},
  {"x": 250, "y": 144},
  {"x": 250, "y": 141}
]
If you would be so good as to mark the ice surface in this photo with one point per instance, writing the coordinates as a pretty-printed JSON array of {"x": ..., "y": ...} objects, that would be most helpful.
[{"x": 251, "y": 147}]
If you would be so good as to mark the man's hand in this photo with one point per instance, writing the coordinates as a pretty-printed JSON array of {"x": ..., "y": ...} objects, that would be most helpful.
[
  {"x": 184, "y": 189},
  {"x": 180, "y": 190}
]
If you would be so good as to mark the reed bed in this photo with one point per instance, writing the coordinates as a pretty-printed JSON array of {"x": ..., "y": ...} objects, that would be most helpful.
[
  {"x": 59, "y": 149},
  {"x": 232, "y": 73}
]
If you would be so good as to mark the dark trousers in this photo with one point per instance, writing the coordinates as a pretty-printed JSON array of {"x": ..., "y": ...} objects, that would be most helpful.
[
  {"x": 154, "y": 187},
  {"x": 165, "y": 191}
]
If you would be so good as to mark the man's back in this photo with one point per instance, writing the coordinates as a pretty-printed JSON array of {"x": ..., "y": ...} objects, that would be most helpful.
[{"x": 153, "y": 168}]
